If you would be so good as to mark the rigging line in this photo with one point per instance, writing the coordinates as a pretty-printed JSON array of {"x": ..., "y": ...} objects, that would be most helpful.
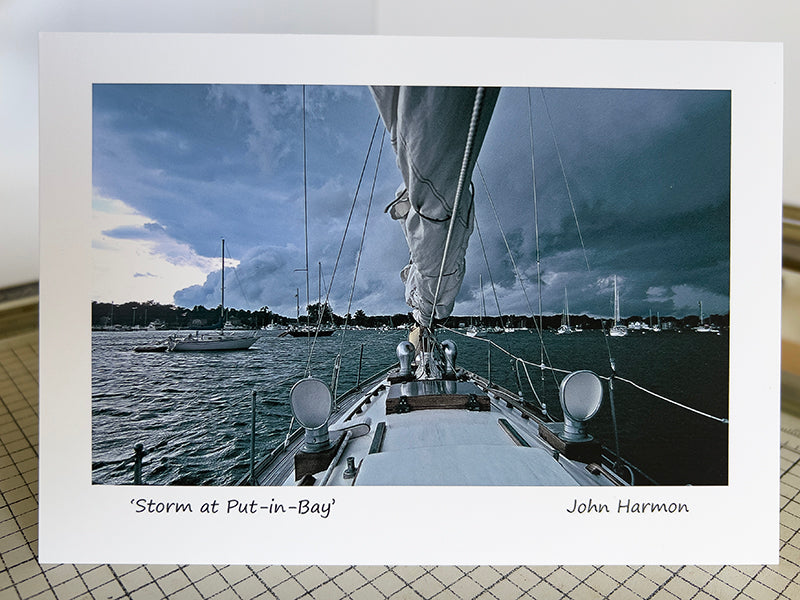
[
  {"x": 486, "y": 260},
  {"x": 344, "y": 236},
  {"x": 505, "y": 240},
  {"x": 238, "y": 281},
  {"x": 689, "y": 408},
  {"x": 363, "y": 237},
  {"x": 608, "y": 347},
  {"x": 305, "y": 215},
  {"x": 516, "y": 269},
  {"x": 542, "y": 405},
  {"x": 566, "y": 182},
  {"x": 473, "y": 126},
  {"x": 604, "y": 377},
  {"x": 324, "y": 283},
  {"x": 535, "y": 218}
]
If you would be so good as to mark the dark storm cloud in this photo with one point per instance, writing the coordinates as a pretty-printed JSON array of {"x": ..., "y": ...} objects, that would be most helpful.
[{"x": 646, "y": 172}]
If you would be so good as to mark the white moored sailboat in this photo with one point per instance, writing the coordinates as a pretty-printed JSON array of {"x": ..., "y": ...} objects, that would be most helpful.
[
  {"x": 219, "y": 340},
  {"x": 704, "y": 327},
  {"x": 565, "y": 328},
  {"x": 617, "y": 330}
]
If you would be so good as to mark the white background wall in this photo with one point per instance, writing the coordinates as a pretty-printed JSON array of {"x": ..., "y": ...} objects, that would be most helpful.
[{"x": 21, "y": 20}]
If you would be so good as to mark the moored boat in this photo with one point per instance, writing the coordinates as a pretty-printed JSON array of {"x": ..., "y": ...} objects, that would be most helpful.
[
  {"x": 214, "y": 341},
  {"x": 704, "y": 327},
  {"x": 565, "y": 328},
  {"x": 617, "y": 330}
]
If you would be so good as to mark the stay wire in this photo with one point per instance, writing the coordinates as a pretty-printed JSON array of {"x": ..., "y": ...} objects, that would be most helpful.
[
  {"x": 505, "y": 240},
  {"x": 363, "y": 237},
  {"x": 341, "y": 245},
  {"x": 238, "y": 281},
  {"x": 305, "y": 213},
  {"x": 516, "y": 270},
  {"x": 489, "y": 270},
  {"x": 566, "y": 181},
  {"x": 535, "y": 219}
]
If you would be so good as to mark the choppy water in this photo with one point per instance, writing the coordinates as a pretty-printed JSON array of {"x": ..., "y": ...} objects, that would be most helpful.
[{"x": 192, "y": 411}]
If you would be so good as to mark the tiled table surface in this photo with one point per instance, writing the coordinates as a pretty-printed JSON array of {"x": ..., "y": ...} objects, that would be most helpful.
[{"x": 21, "y": 576}]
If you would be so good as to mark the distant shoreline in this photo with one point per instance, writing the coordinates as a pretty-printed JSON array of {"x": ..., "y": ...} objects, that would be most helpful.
[{"x": 108, "y": 316}]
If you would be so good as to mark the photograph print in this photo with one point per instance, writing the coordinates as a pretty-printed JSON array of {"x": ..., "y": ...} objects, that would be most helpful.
[{"x": 317, "y": 285}]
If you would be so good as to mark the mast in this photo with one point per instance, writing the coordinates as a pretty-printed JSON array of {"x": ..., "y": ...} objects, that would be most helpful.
[
  {"x": 483, "y": 299},
  {"x": 566, "y": 308},
  {"x": 616, "y": 302},
  {"x": 222, "y": 287},
  {"x": 305, "y": 204}
]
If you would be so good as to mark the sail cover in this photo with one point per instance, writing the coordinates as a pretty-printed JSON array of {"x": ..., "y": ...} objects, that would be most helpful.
[{"x": 429, "y": 127}]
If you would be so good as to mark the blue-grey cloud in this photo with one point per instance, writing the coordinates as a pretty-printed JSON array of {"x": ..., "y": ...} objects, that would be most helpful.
[
  {"x": 646, "y": 172},
  {"x": 148, "y": 231}
]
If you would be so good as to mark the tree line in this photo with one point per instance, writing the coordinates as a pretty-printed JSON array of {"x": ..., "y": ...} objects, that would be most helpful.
[{"x": 106, "y": 315}]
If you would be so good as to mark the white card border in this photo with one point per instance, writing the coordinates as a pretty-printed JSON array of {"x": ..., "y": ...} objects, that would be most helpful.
[{"x": 82, "y": 523}]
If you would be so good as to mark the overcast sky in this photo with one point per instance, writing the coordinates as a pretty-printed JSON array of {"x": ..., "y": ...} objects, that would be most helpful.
[{"x": 178, "y": 167}]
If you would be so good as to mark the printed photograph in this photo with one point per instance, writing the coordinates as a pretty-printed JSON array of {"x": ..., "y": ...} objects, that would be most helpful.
[{"x": 312, "y": 285}]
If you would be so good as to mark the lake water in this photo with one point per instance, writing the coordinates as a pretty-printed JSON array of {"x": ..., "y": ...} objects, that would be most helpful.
[{"x": 192, "y": 411}]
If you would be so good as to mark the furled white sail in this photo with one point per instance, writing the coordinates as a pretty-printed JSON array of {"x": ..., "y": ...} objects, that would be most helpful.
[{"x": 429, "y": 127}]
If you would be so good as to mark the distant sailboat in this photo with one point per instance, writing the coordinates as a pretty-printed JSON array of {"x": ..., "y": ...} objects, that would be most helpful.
[
  {"x": 309, "y": 330},
  {"x": 657, "y": 327},
  {"x": 617, "y": 330},
  {"x": 473, "y": 331},
  {"x": 705, "y": 327},
  {"x": 217, "y": 340},
  {"x": 565, "y": 328}
]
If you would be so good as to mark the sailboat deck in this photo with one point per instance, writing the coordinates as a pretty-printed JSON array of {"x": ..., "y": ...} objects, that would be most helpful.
[{"x": 436, "y": 446}]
